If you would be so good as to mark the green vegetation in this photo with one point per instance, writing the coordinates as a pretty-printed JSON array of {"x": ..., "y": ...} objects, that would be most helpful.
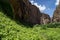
[
  {"x": 10, "y": 30},
  {"x": 13, "y": 30}
]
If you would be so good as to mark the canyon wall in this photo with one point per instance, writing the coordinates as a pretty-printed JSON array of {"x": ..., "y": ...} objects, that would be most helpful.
[{"x": 25, "y": 11}]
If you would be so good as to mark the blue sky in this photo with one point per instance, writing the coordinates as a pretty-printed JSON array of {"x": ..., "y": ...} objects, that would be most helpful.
[{"x": 46, "y": 6}]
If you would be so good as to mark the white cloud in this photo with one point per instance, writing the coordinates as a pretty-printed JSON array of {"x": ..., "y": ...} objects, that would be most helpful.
[
  {"x": 32, "y": 2},
  {"x": 41, "y": 7},
  {"x": 57, "y": 2}
]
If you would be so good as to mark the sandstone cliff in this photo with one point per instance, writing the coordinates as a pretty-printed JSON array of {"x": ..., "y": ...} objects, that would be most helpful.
[{"x": 25, "y": 11}]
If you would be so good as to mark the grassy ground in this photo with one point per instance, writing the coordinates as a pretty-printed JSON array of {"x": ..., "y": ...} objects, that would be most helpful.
[{"x": 10, "y": 30}]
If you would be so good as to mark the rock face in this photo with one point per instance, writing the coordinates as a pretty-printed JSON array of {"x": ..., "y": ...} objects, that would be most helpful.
[
  {"x": 45, "y": 19},
  {"x": 25, "y": 11},
  {"x": 56, "y": 15}
]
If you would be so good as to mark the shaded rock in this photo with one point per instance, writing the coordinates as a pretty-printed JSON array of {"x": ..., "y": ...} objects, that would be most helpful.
[{"x": 23, "y": 10}]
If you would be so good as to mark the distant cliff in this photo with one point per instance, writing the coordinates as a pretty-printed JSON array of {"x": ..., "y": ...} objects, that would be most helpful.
[
  {"x": 25, "y": 11},
  {"x": 56, "y": 15}
]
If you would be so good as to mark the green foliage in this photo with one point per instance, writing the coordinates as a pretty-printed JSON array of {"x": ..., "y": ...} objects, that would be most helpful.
[
  {"x": 10, "y": 30},
  {"x": 54, "y": 25}
]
